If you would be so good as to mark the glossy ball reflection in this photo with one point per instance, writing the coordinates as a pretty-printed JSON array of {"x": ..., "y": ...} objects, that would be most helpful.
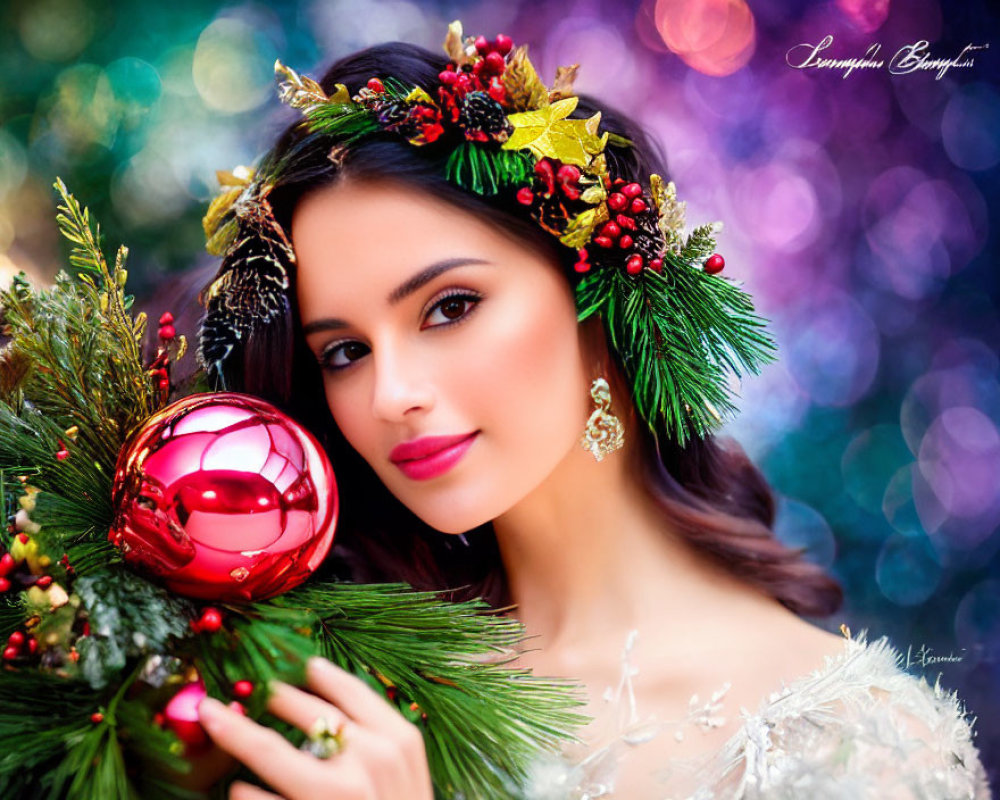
[{"x": 223, "y": 497}]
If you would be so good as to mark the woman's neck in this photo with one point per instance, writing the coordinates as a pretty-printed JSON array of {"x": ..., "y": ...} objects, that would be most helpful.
[{"x": 589, "y": 556}]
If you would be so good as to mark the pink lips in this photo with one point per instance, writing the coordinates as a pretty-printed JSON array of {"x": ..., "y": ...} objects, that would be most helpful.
[{"x": 431, "y": 456}]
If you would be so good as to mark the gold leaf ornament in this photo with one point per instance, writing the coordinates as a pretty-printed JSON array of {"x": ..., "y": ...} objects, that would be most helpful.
[
  {"x": 581, "y": 227},
  {"x": 219, "y": 222},
  {"x": 455, "y": 45},
  {"x": 563, "y": 86},
  {"x": 671, "y": 212},
  {"x": 525, "y": 90},
  {"x": 547, "y": 133},
  {"x": 298, "y": 91}
]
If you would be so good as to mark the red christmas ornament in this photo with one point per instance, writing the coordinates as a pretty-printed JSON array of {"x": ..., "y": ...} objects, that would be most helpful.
[
  {"x": 656, "y": 265},
  {"x": 714, "y": 264},
  {"x": 503, "y": 43},
  {"x": 181, "y": 716},
  {"x": 375, "y": 85},
  {"x": 631, "y": 190},
  {"x": 97, "y": 717},
  {"x": 10, "y": 653},
  {"x": 634, "y": 264},
  {"x": 638, "y": 206},
  {"x": 625, "y": 242},
  {"x": 7, "y": 563},
  {"x": 167, "y": 332},
  {"x": 4, "y": 585},
  {"x": 223, "y": 497},
  {"x": 525, "y": 196},
  {"x": 166, "y": 318},
  {"x": 16, "y": 639}
]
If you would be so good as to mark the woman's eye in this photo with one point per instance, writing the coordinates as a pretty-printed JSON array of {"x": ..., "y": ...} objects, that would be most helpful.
[
  {"x": 451, "y": 309},
  {"x": 446, "y": 311},
  {"x": 341, "y": 355}
]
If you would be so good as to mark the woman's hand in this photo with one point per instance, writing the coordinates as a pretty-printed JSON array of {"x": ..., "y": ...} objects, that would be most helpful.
[{"x": 382, "y": 758}]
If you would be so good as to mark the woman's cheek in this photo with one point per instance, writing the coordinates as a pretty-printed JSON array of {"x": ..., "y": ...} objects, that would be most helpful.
[{"x": 530, "y": 375}]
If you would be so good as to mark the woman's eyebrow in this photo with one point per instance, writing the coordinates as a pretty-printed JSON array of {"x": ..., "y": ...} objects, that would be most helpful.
[{"x": 403, "y": 290}]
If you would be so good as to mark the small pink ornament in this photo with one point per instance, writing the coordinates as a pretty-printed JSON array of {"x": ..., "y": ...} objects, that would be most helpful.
[{"x": 181, "y": 716}]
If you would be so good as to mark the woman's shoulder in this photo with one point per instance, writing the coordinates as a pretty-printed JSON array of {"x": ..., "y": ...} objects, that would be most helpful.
[{"x": 860, "y": 721}]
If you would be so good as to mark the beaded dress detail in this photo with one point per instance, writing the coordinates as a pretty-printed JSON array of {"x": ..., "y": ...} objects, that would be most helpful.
[{"x": 859, "y": 727}]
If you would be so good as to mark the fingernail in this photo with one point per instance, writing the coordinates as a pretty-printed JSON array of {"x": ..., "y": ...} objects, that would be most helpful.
[
  {"x": 321, "y": 664},
  {"x": 208, "y": 712}
]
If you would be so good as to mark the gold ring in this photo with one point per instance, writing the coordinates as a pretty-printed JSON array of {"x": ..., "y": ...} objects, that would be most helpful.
[{"x": 322, "y": 740}]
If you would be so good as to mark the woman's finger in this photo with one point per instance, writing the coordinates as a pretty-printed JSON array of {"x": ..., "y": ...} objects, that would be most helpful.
[
  {"x": 292, "y": 772},
  {"x": 241, "y": 790},
  {"x": 301, "y": 708},
  {"x": 351, "y": 694},
  {"x": 384, "y": 734}
]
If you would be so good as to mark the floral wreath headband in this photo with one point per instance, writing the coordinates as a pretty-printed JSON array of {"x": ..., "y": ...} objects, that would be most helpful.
[{"x": 675, "y": 323}]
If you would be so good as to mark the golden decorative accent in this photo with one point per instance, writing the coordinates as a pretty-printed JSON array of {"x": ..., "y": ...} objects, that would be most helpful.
[
  {"x": 525, "y": 90},
  {"x": 671, "y": 211},
  {"x": 563, "y": 85},
  {"x": 581, "y": 227},
  {"x": 298, "y": 91},
  {"x": 547, "y": 133},
  {"x": 604, "y": 433},
  {"x": 454, "y": 44}
]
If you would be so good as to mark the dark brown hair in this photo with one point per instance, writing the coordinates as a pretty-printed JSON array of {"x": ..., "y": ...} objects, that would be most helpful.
[{"x": 711, "y": 495}]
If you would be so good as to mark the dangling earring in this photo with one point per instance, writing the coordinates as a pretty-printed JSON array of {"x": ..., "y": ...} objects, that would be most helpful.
[{"x": 604, "y": 432}]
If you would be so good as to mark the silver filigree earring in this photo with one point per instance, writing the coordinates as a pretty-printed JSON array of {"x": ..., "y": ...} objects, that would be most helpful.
[{"x": 604, "y": 432}]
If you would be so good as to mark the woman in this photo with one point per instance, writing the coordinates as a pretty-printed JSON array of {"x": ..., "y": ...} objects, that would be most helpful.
[{"x": 424, "y": 323}]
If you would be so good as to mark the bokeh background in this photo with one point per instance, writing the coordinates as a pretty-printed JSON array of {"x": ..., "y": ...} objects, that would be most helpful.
[{"x": 857, "y": 209}]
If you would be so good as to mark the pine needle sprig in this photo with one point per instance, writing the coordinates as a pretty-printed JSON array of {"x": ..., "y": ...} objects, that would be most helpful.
[
  {"x": 74, "y": 224},
  {"x": 448, "y": 658},
  {"x": 486, "y": 171},
  {"x": 129, "y": 618},
  {"x": 679, "y": 331},
  {"x": 348, "y": 121}
]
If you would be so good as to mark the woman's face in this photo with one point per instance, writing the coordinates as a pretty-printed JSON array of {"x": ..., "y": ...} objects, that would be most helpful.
[{"x": 428, "y": 322}]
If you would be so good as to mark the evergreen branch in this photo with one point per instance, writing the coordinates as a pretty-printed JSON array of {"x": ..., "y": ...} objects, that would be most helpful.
[
  {"x": 677, "y": 332},
  {"x": 74, "y": 224},
  {"x": 348, "y": 121},
  {"x": 438, "y": 654},
  {"x": 486, "y": 171},
  {"x": 129, "y": 617}
]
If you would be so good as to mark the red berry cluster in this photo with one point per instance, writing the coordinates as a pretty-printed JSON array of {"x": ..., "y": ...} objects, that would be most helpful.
[
  {"x": 158, "y": 368},
  {"x": 552, "y": 177},
  {"x": 20, "y": 645},
  {"x": 625, "y": 203},
  {"x": 420, "y": 120},
  {"x": 553, "y": 186},
  {"x": 481, "y": 75},
  {"x": 17, "y": 569}
]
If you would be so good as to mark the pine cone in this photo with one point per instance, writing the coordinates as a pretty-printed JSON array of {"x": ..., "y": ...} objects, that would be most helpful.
[
  {"x": 393, "y": 113},
  {"x": 483, "y": 118},
  {"x": 648, "y": 237}
]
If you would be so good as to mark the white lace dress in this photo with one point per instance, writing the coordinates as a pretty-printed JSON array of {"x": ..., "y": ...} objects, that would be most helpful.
[{"x": 859, "y": 727}]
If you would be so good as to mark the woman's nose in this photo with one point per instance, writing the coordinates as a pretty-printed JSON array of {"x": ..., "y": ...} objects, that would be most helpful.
[{"x": 402, "y": 383}]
